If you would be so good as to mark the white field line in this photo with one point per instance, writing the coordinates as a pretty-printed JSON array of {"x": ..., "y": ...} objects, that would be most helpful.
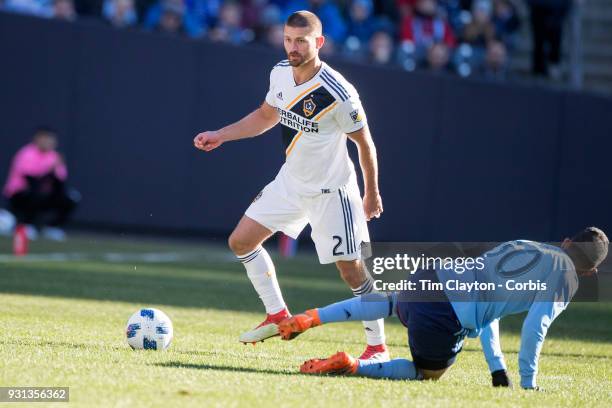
[{"x": 119, "y": 257}]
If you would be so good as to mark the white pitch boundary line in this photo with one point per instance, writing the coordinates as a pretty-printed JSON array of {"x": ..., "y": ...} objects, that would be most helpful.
[{"x": 117, "y": 257}]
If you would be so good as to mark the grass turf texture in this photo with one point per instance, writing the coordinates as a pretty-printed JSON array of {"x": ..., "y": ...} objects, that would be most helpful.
[{"x": 63, "y": 316}]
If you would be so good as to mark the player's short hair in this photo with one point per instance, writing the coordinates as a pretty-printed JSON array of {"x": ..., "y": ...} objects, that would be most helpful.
[
  {"x": 304, "y": 19},
  {"x": 589, "y": 248}
]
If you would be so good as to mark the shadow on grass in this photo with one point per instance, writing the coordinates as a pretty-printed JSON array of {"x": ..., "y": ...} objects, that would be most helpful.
[
  {"x": 544, "y": 353},
  {"x": 226, "y": 287},
  {"x": 178, "y": 364}
]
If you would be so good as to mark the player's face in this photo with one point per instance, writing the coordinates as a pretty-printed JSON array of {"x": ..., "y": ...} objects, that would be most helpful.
[
  {"x": 302, "y": 44},
  {"x": 46, "y": 142}
]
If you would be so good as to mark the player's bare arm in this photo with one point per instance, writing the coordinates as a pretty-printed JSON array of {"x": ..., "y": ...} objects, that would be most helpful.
[
  {"x": 372, "y": 202},
  {"x": 253, "y": 124}
]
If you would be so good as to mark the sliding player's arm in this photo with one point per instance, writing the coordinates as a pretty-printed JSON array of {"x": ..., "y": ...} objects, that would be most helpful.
[
  {"x": 253, "y": 124},
  {"x": 372, "y": 202},
  {"x": 489, "y": 339},
  {"x": 535, "y": 326}
]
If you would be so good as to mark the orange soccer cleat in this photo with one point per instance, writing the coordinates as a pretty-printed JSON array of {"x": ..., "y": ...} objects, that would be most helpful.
[
  {"x": 293, "y": 326},
  {"x": 340, "y": 363}
]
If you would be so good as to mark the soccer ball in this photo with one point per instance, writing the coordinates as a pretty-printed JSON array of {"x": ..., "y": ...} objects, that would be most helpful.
[{"x": 149, "y": 329}]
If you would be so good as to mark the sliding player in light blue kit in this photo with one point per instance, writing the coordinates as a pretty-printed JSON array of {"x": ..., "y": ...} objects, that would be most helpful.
[{"x": 436, "y": 330}]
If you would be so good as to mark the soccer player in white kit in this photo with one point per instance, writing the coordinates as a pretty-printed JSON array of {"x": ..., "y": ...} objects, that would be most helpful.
[{"x": 317, "y": 185}]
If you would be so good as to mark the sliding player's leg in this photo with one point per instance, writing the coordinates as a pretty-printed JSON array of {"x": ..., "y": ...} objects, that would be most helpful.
[
  {"x": 397, "y": 369},
  {"x": 342, "y": 363},
  {"x": 269, "y": 212},
  {"x": 435, "y": 337},
  {"x": 434, "y": 348},
  {"x": 369, "y": 307}
]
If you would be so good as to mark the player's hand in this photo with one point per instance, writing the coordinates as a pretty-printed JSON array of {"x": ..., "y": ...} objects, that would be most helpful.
[
  {"x": 207, "y": 141},
  {"x": 59, "y": 161},
  {"x": 500, "y": 379},
  {"x": 372, "y": 205}
]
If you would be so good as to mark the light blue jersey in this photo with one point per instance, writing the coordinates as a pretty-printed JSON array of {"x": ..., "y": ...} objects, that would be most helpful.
[{"x": 509, "y": 266}]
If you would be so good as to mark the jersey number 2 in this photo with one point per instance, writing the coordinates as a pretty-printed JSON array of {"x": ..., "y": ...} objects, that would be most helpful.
[{"x": 335, "y": 252}]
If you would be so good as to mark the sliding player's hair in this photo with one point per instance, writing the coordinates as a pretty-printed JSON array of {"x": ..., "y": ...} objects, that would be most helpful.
[
  {"x": 589, "y": 248},
  {"x": 304, "y": 19}
]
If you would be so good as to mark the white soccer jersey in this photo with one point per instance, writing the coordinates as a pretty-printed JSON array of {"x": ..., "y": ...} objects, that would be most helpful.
[{"x": 315, "y": 117}]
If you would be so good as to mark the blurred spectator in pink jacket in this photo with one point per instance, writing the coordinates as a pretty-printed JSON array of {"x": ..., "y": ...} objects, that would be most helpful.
[
  {"x": 36, "y": 187},
  {"x": 429, "y": 33}
]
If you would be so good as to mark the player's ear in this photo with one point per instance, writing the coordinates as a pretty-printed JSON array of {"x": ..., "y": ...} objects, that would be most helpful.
[
  {"x": 590, "y": 272},
  {"x": 566, "y": 243},
  {"x": 320, "y": 40}
]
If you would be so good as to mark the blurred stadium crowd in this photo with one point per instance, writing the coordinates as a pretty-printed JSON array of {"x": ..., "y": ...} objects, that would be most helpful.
[{"x": 467, "y": 37}]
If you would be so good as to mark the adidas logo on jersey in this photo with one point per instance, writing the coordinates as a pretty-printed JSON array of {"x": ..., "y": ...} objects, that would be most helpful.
[{"x": 279, "y": 96}]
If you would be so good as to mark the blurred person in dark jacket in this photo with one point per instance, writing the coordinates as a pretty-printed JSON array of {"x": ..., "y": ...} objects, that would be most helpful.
[
  {"x": 173, "y": 17},
  {"x": 547, "y": 18},
  {"x": 205, "y": 12},
  {"x": 496, "y": 61},
  {"x": 120, "y": 13},
  {"x": 271, "y": 28},
  {"x": 361, "y": 23},
  {"x": 480, "y": 30},
  {"x": 506, "y": 22},
  {"x": 489, "y": 54},
  {"x": 438, "y": 57},
  {"x": 253, "y": 13},
  {"x": 229, "y": 26},
  {"x": 381, "y": 48},
  {"x": 387, "y": 8}
]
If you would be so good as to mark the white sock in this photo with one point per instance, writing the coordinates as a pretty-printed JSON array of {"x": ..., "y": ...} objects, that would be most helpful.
[
  {"x": 262, "y": 274},
  {"x": 374, "y": 329}
]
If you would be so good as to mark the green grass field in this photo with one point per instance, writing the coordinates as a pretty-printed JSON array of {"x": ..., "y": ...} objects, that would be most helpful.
[{"x": 63, "y": 313}]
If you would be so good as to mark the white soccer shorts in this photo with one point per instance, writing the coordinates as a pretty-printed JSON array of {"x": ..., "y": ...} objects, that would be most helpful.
[{"x": 336, "y": 217}]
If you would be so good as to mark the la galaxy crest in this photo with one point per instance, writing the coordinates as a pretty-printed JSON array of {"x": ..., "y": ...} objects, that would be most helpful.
[{"x": 309, "y": 107}]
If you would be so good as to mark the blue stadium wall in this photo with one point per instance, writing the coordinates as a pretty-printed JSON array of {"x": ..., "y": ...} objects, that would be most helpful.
[{"x": 459, "y": 159}]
